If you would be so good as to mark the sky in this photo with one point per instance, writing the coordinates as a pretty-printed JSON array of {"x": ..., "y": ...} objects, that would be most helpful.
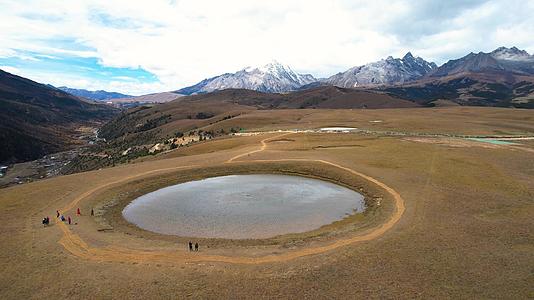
[{"x": 140, "y": 47}]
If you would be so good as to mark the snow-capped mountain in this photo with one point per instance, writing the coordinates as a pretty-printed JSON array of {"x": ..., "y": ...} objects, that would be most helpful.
[
  {"x": 386, "y": 71},
  {"x": 513, "y": 54},
  {"x": 511, "y": 61},
  {"x": 272, "y": 77}
]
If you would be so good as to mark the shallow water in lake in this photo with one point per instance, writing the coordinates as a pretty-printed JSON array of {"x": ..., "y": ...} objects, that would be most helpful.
[
  {"x": 492, "y": 141},
  {"x": 243, "y": 206}
]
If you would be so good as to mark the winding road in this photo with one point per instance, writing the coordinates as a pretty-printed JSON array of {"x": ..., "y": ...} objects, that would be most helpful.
[{"x": 74, "y": 244}]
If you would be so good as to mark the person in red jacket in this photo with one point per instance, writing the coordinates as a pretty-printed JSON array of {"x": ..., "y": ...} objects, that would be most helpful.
[{"x": 78, "y": 212}]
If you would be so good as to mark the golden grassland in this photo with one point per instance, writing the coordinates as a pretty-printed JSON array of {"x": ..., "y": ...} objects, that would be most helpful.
[
  {"x": 466, "y": 230},
  {"x": 450, "y": 120}
]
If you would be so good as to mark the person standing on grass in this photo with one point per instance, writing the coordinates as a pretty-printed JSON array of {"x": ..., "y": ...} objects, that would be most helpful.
[
  {"x": 92, "y": 212},
  {"x": 78, "y": 212},
  {"x": 69, "y": 220},
  {"x": 57, "y": 213},
  {"x": 196, "y": 246},
  {"x": 190, "y": 246}
]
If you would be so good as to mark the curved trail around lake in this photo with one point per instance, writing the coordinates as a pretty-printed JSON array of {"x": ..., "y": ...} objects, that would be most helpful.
[{"x": 74, "y": 244}]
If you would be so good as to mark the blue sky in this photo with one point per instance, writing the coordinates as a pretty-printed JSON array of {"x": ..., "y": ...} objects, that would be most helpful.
[
  {"x": 139, "y": 47},
  {"x": 82, "y": 67}
]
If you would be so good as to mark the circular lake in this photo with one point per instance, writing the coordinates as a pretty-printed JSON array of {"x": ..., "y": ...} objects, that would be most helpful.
[{"x": 243, "y": 206}]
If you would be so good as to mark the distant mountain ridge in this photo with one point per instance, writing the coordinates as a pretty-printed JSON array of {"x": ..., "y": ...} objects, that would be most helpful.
[
  {"x": 149, "y": 98},
  {"x": 273, "y": 78},
  {"x": 502, "y": 60},
  {"x": 503, "y": 77},
  {"x": 508, "y": 67},
  {"x": 383, "y": 72},
  {"x": 99, "y": 95}
]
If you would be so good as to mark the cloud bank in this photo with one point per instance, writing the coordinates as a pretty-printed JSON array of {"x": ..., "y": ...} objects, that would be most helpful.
[{"x": 139, "y": 47}]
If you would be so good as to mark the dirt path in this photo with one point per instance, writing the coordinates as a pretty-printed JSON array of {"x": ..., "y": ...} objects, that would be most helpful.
[
  {"x": 75, "y": 245},
  {"x": 263, "y": 147}
]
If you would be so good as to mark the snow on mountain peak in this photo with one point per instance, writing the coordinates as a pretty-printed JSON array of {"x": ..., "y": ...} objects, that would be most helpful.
[
  {"x": 513, "y": 53},
  {"x": 386, "y": 71},
  {"x": 271, "y": 77},
  {"x": 276, "y": 68}
]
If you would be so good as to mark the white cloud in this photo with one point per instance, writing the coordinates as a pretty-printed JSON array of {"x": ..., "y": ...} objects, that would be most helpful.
[
  {"x": 182, "y": 42},
  {"x": 10, "y": 69}
]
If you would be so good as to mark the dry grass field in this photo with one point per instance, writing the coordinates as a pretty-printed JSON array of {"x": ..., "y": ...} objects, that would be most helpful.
[{"x": 447, "y": 218}]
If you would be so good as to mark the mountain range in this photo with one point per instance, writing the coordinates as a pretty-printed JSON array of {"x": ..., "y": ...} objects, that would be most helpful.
[
  {"x": 386, "y": 71},
  {"x": 99, "y": 95},
  {"x": 502, "y": 77},
  {"x": 145, "y": 99},
  {"x": 505, "y": 61},
  {"x": 277, "y": 78},
  {"x": 508, "y": 63}
]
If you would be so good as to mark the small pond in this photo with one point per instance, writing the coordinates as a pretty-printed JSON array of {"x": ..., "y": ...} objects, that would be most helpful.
[{"x": 243, "y": 206}]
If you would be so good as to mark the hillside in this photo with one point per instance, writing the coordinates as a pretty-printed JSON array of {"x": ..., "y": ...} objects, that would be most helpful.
[
  {"x": 36, "y": 120},
  {"x": 138, "y": 131},
  {"x": 469, "y": 90},
  {"x": 148, "y": 124}
]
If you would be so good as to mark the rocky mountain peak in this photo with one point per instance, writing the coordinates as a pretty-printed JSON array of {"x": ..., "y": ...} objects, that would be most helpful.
[
  {"x": 274, "y": 65},
  {"x": 501, "y": 60},
  {"x": 275, "y": 68},
  {"x": 408, "y": 56},
  {"x": 513, "y": 53},
  {"x": 386, "y": 71},
  {"x": 271, "y": 77}
]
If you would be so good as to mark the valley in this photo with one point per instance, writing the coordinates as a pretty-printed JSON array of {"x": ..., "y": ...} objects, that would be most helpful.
[{"x": 36, "y": 120}]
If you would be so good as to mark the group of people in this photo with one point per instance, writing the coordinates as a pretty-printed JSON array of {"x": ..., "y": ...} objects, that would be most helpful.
[
  {"x": 62, "y": 217},
  {"x": 46, "y": 220},
  {"x": 191, "y": 246}
]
